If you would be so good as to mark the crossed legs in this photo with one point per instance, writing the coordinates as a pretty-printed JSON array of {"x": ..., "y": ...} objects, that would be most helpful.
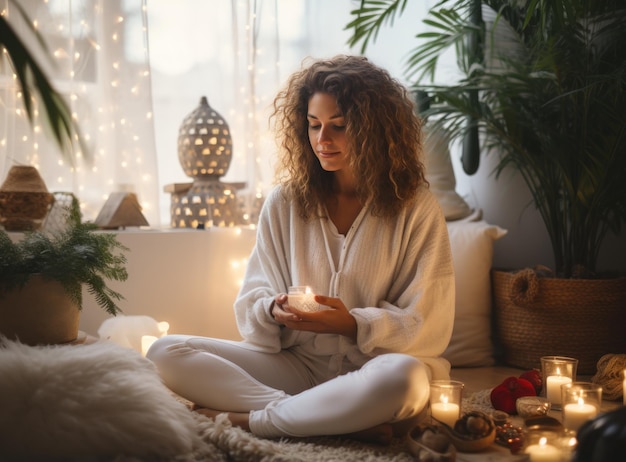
[{"x": 275, "y": 395}]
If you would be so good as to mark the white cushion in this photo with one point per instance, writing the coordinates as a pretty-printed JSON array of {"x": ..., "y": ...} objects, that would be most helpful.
[
  {"x": 440, "y": 175},
  {"x": 471, "y": 241},
  {"x": 87, "y": 401}
]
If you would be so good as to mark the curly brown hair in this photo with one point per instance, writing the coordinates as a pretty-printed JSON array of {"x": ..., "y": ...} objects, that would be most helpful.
[{"x": 383, "y": 134}]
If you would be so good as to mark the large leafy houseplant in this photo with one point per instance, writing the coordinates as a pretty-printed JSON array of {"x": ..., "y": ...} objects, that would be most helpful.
[{"x": 551, "y": 104}]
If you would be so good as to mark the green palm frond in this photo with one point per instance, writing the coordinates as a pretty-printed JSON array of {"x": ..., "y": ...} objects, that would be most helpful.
[
  {"x": 371, "y": 16},
  {"x": 36, "y": 86},
  {"x": 448, "y": 30}
]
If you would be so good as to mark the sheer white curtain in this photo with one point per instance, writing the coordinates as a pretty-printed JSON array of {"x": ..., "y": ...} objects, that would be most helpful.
[
  {"x": 232, "y": 52},
  {"x": 238, "y": 53},
  {"x": 99, "y": 61},
  {"x": 134, "y": 69}
]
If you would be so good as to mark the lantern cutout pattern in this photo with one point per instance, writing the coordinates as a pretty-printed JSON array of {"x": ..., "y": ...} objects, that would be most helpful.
[{"x": 205, "y": 152}]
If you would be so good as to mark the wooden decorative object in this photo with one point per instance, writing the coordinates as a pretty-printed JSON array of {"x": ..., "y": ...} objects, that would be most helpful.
[
  {"x": 24, "y": 199},
  {"x": 121, "y": 210}
]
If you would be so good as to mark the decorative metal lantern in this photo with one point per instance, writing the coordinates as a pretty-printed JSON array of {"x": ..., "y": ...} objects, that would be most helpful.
[
  {"x": 204, "y": 143},
  {"x": 205, "y": 152}
]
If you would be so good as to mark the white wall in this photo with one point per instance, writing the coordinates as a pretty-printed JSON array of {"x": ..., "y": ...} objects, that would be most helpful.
[{"x": 189, "y": 278}]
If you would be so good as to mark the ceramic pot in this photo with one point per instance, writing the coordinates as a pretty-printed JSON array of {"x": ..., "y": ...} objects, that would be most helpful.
[{"x": 39, "y": 313}]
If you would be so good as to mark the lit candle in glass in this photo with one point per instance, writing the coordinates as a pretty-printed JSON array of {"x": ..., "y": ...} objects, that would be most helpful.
[
  {"x": 553, "y": 387},
  {"x": 543, "y": 452},
  {"x": 556, "y": 371},
  {"x": 445, "y": 412},
  {"x": 446, "y": 397},
  {"x": 302, "y": 298},
  {"x": 576, "y": 414},
  {"x": 581, "y": 402}
]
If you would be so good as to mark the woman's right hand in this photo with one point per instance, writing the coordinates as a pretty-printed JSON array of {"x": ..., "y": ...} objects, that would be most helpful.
[{"x": 280, "y": 310}]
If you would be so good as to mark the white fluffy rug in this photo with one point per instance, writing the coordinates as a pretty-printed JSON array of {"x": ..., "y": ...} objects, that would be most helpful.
[
  {"x": 84, "y": 400},
  {"x": 104, "y": 402}
]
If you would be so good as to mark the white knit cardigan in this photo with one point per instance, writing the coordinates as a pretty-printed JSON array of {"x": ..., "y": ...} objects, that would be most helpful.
[{"x": 395, "y": 276}]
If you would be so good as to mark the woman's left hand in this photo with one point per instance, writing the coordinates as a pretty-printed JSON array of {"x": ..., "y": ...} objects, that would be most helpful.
[{"x": 336, "y": 320}]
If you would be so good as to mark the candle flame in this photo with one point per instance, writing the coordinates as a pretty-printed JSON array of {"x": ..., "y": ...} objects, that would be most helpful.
[
  {"x": 581, "y": 401},
  {"x": 543, "y": 441},
  {"x": 443, "y": 399},
  {"x": 307, "y": 290}
]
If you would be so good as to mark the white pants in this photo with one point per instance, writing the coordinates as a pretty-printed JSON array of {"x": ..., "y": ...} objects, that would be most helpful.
[{"x": 288, "y": 394}]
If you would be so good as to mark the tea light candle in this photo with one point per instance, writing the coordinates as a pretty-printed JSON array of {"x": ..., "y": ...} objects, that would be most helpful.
[
  {"x": 303, "y": 299},
  {"x": 553, "y": 387},
  {"x": 543, "y": 452},
  {"x": 445, "y": 412},
  {"x": 576, "y": 414}
]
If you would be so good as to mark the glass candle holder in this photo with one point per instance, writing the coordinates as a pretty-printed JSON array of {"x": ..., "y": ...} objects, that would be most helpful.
[
  {"x": 302, "y": 298},
  {"x": 543, "y": 445},
  {"x": 581, "y": 402},
  {"x": 556, "y": 371},
  {"x": 446, "y": 397}
]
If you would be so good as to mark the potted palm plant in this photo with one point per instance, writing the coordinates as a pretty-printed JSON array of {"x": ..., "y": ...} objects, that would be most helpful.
[
  {"x": 550, "y": 105},
  {"x": 42, "y": 275}
]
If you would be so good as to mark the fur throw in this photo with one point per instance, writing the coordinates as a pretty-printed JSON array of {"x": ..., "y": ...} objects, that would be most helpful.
[{"x": 91, "y": 400}]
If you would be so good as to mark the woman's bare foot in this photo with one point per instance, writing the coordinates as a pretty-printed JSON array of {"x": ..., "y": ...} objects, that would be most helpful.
[
  {"x": 238, "y": 419},
  {"x": 380, "y": 434}
]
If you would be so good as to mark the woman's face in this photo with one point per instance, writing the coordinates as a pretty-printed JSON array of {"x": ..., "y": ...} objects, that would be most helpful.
[{"x": 327, "y": 132}]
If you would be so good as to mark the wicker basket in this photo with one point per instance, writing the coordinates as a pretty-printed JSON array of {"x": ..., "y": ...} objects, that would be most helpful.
[
  {"x": 24, "y": 199},
  {"x": 542, "y": 316}
]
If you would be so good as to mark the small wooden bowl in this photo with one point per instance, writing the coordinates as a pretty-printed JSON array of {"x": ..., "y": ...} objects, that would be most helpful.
[{"x": 467, "y": 443}]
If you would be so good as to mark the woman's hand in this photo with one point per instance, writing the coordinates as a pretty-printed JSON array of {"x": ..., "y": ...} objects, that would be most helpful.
[{"x": 336, "y": 320}]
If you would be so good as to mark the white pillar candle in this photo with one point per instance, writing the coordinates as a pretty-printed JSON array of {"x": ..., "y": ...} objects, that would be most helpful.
[
  {"x": 543, "y": 452},
  {"x": 553, "y": 388},
  {"x": 445, "y": 412},
  {"x": 576, "y": 414}
]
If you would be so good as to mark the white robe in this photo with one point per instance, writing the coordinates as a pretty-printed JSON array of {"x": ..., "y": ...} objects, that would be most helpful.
[{"x": 395, "y": 276}]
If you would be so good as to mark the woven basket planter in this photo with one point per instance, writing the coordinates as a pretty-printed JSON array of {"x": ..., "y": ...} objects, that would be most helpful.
[
  {"x": 40, "y": 313},
  {"x": 541, "y": 316}
]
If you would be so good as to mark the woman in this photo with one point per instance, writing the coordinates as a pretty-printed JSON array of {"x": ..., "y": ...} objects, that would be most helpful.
[{"x": 352, "y": 218}]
